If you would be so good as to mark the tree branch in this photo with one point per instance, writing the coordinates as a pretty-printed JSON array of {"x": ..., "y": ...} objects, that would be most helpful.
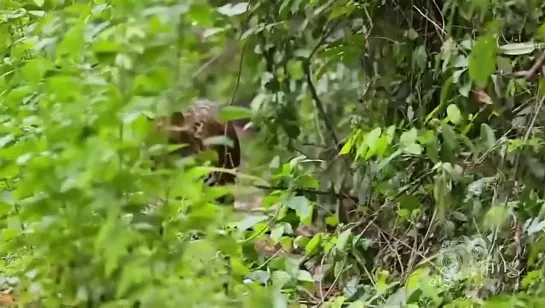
[
  {"x": 312, "y": 88},
  {"x": 528, "y": 74},
  {"x": 320, "y": 107}
]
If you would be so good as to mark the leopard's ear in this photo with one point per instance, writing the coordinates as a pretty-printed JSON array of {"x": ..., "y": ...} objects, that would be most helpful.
[{"x": 177, "y": 119}]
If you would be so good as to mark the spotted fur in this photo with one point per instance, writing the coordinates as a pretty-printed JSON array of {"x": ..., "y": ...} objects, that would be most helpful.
[{"x": 196, "y": 124}]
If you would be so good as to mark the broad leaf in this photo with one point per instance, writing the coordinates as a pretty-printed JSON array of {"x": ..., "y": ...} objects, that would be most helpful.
[
  {"x": 454, "y": 114},
  {"x": 482, "y": 60},
  {"x": 233, "y": 9},
  {"x": 231, "y": 113}
]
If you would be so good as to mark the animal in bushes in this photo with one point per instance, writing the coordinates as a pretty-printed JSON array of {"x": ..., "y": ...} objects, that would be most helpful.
[{"x": 198, "y": 123}]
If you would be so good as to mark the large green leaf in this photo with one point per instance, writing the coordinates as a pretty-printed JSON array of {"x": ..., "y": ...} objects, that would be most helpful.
[
  {"x": 482, "y": 60},
  {"x": 230, "y": 113}
]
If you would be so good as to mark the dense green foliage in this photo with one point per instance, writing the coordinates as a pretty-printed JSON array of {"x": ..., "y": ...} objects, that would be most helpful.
[{"x": 407, "y": 134}]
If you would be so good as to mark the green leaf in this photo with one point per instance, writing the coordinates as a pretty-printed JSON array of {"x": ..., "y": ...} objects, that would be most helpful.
[
  {"x": 73, "y": 42},
  {"x": 382, "y": 146},
  {"x": 408, "y": 137},
  {"x": 286, "y": 242},
  {"x": 35, "y": 69},
  {"x": 414, "y": 148},
  {"x": 504, "y": 64},
  {"x": 390, "y": 133},
  {"x": 275, "y": 162},
  {"x": 487, "y": 135},
  {"x": 6, "y": 139},
  {"x": 305, "y": 276},
  {"x": 332, "y": 220},
  {"x": 105, "y": 47},
  {"x": 295, "y": 69},
  {"x": 387, "y": 160},
  {"x": 356, "y": 304},
  {"x": 280, "y": 278},
  {"x": 420, "y": 57},
  {"x": 301, "y": 205},
  {"x": 413, "y": 282},
  {"x": 347, "y": 146},
  {"x": 371, "y": 141},
  {"x": 337, "y": 302},
  {"x": 250, "y": 221},
  {"x": 381, "y": 281},
  {"x": 465, "y": 88},
  {"x": 233, "y": 9},
  {"x": 218, "y": 140},
  {"x": 403, "y": 213},
  {"x": 517, "y": 49},
  {"x": 201, "y": 14},
  {"x": 541, "y": 32},
  {"x": 482, "y": 60},
  {"x": 444, "y": 96},
  {"x": 342, "y": 240},
  {"x": 231, "y": 113},
  {"x": 307, "y": 181},
  {"x": 449, "y": 136},
  {"x": 238, "y": 267},
  {"x": 453, "y": 114},
  {"x": 261, "y": 276},
  {"x": 312, "y": 246},
  {"x": 409, "y": 202},
  {"x": 277, "y": 233}
]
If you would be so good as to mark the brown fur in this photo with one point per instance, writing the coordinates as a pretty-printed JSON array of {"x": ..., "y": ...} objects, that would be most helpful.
[{"x": 199, "y": 122}]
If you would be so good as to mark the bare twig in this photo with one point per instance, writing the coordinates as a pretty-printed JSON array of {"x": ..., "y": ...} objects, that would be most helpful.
[
  {"x": 239, "y": 75},
  {"x": 312, "y": 88},
  {"x": 395, "y": 252},
  {"x": 437, "y": 27},
  {"x": 207, "y": 64},
  {"x": 425, "y": 259},
  {"x": 530, "y": 73},
  {"x": 325, "y": 296},
  {"x": 533, "y": 70},
  {"x": 320, "y": 107}
]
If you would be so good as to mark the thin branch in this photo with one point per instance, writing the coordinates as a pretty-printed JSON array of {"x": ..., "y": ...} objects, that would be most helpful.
[
  {"x": 207, "y": 64},
  {"x": 312, "y": 88},
  {"x": 530, "y": 73},
  {"x": 320, "y": 106},
  {"x": 528, "y": 131},
  {"x": 239, "y": 76},
  {"x": 437, "y": 27},
  {"x": 533, "y": 70},
  {"x": 326, "y": 34},
  {"x": 241, "y": 60}
]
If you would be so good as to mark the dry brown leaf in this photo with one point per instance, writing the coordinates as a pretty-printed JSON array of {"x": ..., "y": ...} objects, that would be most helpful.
[{"x": 482, "y": 97}]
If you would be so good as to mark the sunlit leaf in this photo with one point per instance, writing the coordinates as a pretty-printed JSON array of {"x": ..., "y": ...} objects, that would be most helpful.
[
  {"x": 233, "y": 9},
  {"x": 250, "y": 221},
  {"x": 218, "y": 140},
  {"x": 343, "y": 239},
  {"x": 454, "y": 114},
  {"x": 305, "y": 276},
  {"x": 487, "y": 135},
  {"x": 230, "y": 113},
  {"x": 299, "y": 204},
  {"x": 517, "y": 49},
  {"x": 313, "y": 245}
]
